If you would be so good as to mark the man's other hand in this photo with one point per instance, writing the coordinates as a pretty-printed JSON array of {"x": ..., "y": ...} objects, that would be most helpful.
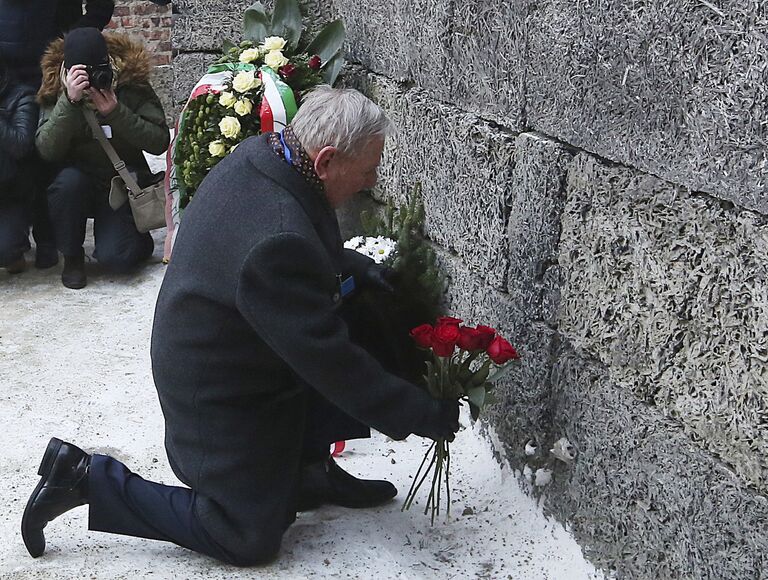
[
  {"x": 379, "y": 277},
  {"x": 76, "y": 83},
  {"x": 105, "y": 101},
  {"x": 444, "y": 421}
]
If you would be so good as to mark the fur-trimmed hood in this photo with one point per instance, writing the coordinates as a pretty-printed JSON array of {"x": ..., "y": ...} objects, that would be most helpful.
[{"x": 130, "y": 58}]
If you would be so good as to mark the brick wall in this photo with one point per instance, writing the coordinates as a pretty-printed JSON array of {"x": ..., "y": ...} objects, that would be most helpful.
[{"x": 149, "y": 22}]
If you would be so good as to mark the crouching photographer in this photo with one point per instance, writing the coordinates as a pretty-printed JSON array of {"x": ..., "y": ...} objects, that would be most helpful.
[{"x": 107, "y": 74}]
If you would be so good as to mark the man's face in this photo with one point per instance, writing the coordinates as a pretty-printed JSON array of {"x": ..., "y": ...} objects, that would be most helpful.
[{"x": 345, "y": 176}]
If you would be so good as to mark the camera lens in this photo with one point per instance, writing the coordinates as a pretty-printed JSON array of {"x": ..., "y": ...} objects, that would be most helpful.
[{"x": 100, "y": 77}]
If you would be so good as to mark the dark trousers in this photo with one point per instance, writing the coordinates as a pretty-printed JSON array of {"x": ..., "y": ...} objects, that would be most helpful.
[
  {"x": 73, "y": 197},
  {"x": 14, "y": 232},
  {"x": 121, "y": 502}
]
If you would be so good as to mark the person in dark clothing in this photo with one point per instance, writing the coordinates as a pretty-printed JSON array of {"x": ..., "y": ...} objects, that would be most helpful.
[
  {"x": 253, "y": 356},
  {"x": 18, "y": 121},
  {"x": 27, "y": 27},
  {"x": 130, "y": 114}
]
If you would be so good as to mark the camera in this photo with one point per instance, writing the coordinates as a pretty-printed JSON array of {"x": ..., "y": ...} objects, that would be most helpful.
[{"x": 100, "y": 76}]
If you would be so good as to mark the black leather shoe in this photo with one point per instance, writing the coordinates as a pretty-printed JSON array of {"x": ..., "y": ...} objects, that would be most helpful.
[
  {"x": 64, "y": 485},
  {"x": 46, "y": 256},
  {"x": 326, "y": 482},
  {"x": 73, "y": 274}
]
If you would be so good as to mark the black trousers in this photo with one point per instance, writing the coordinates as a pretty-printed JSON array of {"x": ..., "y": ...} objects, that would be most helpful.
[
  {"x": 73, "y": 197},
  {"x": 14, "y": 232},
  {"x": 122, "y": 502}
]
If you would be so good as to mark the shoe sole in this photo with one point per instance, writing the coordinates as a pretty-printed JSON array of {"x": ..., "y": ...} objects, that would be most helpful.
[{"x": 46, "y": 465}]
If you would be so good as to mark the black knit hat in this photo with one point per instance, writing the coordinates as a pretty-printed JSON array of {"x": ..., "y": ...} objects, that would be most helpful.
[{"x": 85, "y": 46}]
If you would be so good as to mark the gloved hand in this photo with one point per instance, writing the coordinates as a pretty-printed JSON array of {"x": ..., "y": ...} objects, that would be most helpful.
[
  {"x": 443, "y": 422},
  {"x": 378, "y": 277}
]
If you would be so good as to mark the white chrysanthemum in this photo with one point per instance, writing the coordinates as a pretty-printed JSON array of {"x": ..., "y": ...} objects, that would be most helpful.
[{"x": 379, "y": 248}]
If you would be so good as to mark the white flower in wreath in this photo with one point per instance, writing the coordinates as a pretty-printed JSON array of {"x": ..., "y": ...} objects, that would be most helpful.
[
  {"x": 275, "y": 59},
  {"x": 217, "y": 148},
  {"x": 273, "y": 43},
  {"x": 227, "y": 99},
  {"x": 250, "y": 54},
  {"x": 245, "y": 81},
  {"x": 229, "y": 127},
  {"x": 243, "y": 108}
]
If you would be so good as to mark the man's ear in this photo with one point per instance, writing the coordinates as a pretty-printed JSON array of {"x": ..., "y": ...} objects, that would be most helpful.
[{"x": 323, "y": 160}]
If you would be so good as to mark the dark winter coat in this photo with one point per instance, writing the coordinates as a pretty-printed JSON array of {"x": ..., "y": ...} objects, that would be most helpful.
[
  {"x": 245, "y": 323},
  {"x": 137, "y": 123},
  {"x": 18, "y": 120},
  {"x": 28, "y": 26}
]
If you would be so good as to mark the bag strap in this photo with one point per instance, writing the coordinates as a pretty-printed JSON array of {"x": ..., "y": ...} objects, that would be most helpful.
[{"x": 117, "y": 162}]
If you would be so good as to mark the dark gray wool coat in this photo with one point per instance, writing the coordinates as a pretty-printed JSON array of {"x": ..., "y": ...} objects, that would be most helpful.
[{"x": 245, "y": 320}]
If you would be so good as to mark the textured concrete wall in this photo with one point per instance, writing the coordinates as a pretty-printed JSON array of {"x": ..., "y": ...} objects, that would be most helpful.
[{"x": 594, "y": 176}]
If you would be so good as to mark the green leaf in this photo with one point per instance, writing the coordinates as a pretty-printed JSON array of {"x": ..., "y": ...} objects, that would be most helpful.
[
  {"x": 477, "y": 397},
  {"x": 255, "y": 23},
  {"x": 227, "y": 46},
  {"x": 286, "y": 21},
  {"x": 474, "y": 411},
  {"x": 332, "y": 68},
  {"x": 502, "y": 371},
  {"x": 328, "y": 41}
]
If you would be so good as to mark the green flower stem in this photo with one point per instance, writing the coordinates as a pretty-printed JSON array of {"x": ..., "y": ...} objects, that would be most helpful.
[
  {"x": 447, "y": 478},
  {"x": 416, "y": 481}
]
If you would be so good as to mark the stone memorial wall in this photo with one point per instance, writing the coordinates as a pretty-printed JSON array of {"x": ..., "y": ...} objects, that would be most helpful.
[{"x": 594, "y": 178}]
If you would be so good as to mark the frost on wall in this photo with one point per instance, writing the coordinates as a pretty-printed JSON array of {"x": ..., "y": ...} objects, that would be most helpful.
[
  {"x": 464, "y": 165},
  {"x": 670, "y": 291}
]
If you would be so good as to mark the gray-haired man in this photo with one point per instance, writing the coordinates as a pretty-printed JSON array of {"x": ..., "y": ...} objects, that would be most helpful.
[{"x": 252, "y": 359}]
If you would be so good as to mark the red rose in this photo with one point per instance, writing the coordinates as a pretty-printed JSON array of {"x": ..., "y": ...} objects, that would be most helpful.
[
  {"x": 315, "y": 63},
  {"x": 422, "y": 335},
  {"x": 443, "y": 320},
  {"x": 501, "y": 351},
  {"x": 286, "y": 71},
  {"x": 469, "y": 338},
  {"x": 486, "y": 333},
  {"x": 444, "y": 339}
]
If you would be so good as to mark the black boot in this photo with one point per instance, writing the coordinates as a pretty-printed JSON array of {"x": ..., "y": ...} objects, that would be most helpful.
[
  {"x": 46, "y": 256},
  {"x": 64, "y": 485},
  {"x": 73, "y": 274},
  {"x": 326, "y": 482},
  {"x": 17, "y": 266}
]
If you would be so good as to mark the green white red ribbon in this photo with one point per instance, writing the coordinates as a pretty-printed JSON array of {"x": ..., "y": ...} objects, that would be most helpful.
[{"x": 278, "y": 105}]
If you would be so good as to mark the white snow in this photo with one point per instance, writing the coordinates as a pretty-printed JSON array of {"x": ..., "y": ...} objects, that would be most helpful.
[{"x": 75, "y": 364}]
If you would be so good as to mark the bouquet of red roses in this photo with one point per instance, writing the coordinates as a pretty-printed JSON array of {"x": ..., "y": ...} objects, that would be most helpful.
[{"x": 461, "y": 368}]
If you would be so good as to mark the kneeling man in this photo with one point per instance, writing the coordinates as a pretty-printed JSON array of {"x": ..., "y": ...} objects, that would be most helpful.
[{"x": 252, "y": 357}]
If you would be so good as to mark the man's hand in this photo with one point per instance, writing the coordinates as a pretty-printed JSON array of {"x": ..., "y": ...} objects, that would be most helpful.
[
  {"x": 444, "y": 421},
  {"x": 105, "y": 101},
  {"x": 379, "y": 277},
  {"x": 76, "y": 83}
]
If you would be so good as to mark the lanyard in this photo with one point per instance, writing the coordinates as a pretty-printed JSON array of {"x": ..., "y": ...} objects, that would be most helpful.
[{"x": 286, "y": 149}]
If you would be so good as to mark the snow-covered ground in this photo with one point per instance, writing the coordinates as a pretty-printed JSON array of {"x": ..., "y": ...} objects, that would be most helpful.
[{"x": 75, "y": 364}]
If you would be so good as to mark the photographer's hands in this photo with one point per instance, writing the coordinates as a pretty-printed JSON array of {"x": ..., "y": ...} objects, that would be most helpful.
[
  {"x": 105, "y": 101},
  {"x": 78, "y": 86},
  {"x": 76, "y": 83}
]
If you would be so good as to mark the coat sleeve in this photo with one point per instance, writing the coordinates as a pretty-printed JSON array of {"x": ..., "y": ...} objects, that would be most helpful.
[
  {"x": 17, "y": 134},
  {"x": 98, "y": 13},
  {"x": 57, "y": 128},
  {"x": 284, "y": 292},
  {"x": 143, "y": 127},
  {"x": 356, "y": 263}
]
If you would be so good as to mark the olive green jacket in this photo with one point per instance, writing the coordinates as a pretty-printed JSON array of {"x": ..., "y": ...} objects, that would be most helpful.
[{"x": 137, "y": 123}]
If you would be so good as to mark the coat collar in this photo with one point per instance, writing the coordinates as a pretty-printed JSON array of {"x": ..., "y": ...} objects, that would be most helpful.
[{"x": 322, "y": 216}]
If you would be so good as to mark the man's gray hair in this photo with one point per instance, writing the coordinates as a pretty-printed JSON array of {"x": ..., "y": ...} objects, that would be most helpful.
[{"x": 341, "y": 118}]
